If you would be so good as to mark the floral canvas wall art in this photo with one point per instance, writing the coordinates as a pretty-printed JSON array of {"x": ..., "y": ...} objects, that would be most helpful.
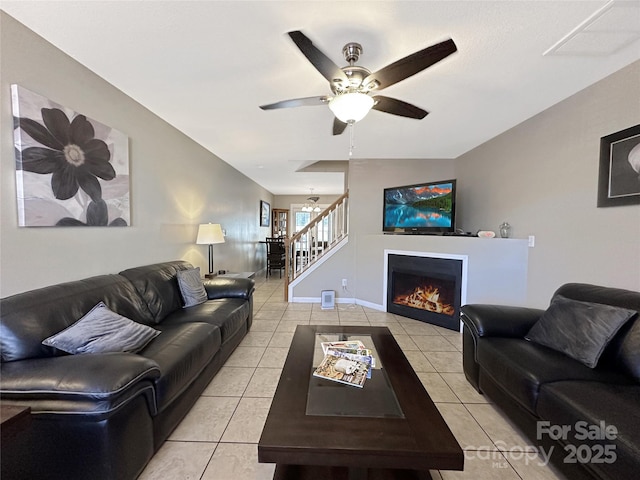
[{"x": 70, "y": 170}]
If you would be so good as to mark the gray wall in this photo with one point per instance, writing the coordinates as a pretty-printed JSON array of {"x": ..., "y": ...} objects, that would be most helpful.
[
  {"x": 175, "y": 183},
  {"x": 541, "y": 176}
]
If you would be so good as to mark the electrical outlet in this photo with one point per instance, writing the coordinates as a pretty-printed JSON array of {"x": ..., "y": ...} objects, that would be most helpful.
[
  {"x": 344, "y": 283},
  {"x": 532, "y": 241}
]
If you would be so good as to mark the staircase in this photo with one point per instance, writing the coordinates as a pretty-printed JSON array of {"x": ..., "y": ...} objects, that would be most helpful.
[{"x": 316, "y": 239}]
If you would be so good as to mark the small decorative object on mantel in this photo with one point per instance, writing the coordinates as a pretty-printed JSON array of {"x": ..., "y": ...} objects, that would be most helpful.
[
  {"x": 505, "y": 230},
  {"x": 70, "y": 170},
  {"x": 619, "y": 177},
  {"x": 486, "y": 234}
]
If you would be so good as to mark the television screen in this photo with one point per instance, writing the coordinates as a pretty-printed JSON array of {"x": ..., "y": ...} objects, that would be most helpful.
[{"x": 421, "y": 208}]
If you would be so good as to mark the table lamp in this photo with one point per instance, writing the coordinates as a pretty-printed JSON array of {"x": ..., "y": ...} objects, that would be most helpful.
[{"x": 208, "y": 234}]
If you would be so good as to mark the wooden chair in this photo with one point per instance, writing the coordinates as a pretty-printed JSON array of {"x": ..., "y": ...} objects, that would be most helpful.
[{"x": 275, "y": 255}]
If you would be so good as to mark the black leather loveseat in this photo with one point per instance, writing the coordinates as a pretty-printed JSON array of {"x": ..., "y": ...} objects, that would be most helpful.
[
  {"x": 588, "y": 418},
  {"x": 102, "y": 416}
]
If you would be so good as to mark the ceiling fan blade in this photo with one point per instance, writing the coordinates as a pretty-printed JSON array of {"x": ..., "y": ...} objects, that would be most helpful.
[
  {"x": 298, "y": 102},
  {"x": 398, "y": 107},
  {"x": 338, "y": 126},
  {"x": 410, "y": 65},
  {"x": 323, "y": 64}
]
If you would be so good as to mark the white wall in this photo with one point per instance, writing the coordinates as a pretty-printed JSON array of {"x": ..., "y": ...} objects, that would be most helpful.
[
  {"x": 541, "y": 176},
  {"x": 175, "y": 183}
]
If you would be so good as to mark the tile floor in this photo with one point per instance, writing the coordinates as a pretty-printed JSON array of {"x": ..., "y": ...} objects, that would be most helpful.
[{"x": 218, "y": 439}]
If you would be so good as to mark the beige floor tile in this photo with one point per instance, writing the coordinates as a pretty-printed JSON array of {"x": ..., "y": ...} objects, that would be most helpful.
[
  {"x": 433, "y": 343},
  {"x": 245, "y": 357},
  {"x": 294, "y": 316},
  {"x": 263, "y": 383},
  {"x": 207, "y": 419},
  {"x": 456, "y": 341},
  {"x": 256, "y": 339},
  {"x": 354, "y": 323},
  {"x": 467, "y": 431},
  {"x": 445, "y": 361},
  {"x": 418, "y": 361},
  {"x": 350, "y": 307},
  {"x": 532, "y": 466},
  {"x": 290, "y": 326},
  {"x": 463, "y": 389},
  {"x": 394, "y": 327},
  {"x": 299, "y": 307},
  {"x": 179, "y": 460},
  {"x": 281, "y": 339},
  {"x": 504, "y": 434},
  {"x": 274, "y": 357},
  {"x": 483, "y": 466},
  {"x": 247, "y": 421},
  {"x": 437, "y": 388},
  {"x": 259, "y": 325},
  {"x": 320, "y": 317},
  {"x": 375, "y": 316},
  {"x": 229, "y": 382},
  {"x": 419, "y": 328},
  {"x": 237, "y": 461},
  {"x": 355, "y": 316},
  {"x": 405, "y": 342},
  {"x": 274, "y": 306},
  {"x": 446, "y": 332}
]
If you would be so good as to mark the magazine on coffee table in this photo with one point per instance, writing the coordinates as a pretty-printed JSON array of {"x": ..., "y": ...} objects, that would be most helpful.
[
  {"x": 351, "y": 355},
  {"x": 349, "y": 345},
  {"x": 343, "y": 370}
]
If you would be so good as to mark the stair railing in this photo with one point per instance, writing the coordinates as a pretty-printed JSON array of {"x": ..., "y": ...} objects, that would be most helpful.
[{"x": 319, "y": 236}]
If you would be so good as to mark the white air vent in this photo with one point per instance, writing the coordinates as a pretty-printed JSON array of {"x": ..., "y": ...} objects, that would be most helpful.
[{"x": 608, "y": 30}]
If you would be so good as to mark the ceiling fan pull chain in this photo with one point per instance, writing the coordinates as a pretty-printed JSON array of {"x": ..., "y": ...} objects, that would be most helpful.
[{"x": 351, "y": 145}]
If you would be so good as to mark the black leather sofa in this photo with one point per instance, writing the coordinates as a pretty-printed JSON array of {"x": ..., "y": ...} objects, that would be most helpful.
[
  {"x": 543, "y": 391},
  {"x": 102, "y": 416}
]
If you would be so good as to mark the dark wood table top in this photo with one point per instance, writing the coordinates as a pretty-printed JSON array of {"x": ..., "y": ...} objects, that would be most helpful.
[{"x": 418, "y": 440}]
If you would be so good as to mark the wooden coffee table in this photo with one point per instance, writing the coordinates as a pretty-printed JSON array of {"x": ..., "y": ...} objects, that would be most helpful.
[{"x": 320, "y": 429}]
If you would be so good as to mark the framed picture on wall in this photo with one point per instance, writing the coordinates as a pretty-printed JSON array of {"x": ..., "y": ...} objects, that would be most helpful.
[
  {"x": 619, "y": 177},
  {"x": 71, "y": 170},
  {"x": 265, "y": 213}
]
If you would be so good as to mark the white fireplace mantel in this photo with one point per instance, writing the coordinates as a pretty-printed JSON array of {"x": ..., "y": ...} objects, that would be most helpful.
[{"x": 496, "y": 267}]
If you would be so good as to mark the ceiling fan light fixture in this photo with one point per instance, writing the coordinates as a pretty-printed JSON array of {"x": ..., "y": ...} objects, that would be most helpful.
[{"x": 351, "y": 107}]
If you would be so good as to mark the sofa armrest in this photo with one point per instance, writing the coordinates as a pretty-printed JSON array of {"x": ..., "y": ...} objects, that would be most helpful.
[
  {"x": 79, "y": 384},
  {"x": 222, "y": 287},
  {"x": 499, "y": 320}
]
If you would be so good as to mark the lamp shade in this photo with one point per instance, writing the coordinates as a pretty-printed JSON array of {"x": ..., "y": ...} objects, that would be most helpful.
[
  {"x": 209, "y": 233},
  {"x": 351, "y": 107}
]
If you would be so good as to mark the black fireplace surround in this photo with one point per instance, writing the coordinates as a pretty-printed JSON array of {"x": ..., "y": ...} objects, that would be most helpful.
[{"x": 406, "y": 273}]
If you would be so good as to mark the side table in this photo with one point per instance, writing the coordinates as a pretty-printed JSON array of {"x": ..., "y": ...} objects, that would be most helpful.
[
  {"x": 13, "y": 419},
  {"x": 238, "y": 275}
]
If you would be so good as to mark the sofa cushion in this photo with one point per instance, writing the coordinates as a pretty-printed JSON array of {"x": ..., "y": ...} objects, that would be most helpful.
[
  {"x": 79, "y": 384},
  {"x": 229, "y": 314},
  {"x": 578, "y": 329},
  {"x": 191, "y": 287},
  {"x": 102, "y": 331},
  {"x": 181, "y": 352},
  {"x": 570, "y": 402},
  {"x": 158, "y": 286},
  {"x": 522, "y": 367},
  {"x": 26, "y": 319}
]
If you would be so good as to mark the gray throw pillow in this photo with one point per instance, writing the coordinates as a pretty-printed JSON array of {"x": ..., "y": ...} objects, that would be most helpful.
[
  {"x": 102, "y": 331},
  {"x": 191, "y": 287},
  {"x": 580, "y": 330}
]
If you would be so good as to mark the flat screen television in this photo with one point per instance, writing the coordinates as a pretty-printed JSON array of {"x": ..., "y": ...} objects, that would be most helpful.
[{"x": 427, "y": 208}]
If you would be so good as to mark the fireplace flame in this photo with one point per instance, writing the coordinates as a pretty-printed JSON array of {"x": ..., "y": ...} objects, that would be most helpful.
[{"x": 425, "y": 298}]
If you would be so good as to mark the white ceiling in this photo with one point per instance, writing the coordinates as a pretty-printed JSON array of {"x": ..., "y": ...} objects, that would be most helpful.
[{"x": 206, "y": 66}]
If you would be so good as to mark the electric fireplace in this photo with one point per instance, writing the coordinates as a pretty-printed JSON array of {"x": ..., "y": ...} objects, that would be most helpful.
[{"x": 425, "y": 288}]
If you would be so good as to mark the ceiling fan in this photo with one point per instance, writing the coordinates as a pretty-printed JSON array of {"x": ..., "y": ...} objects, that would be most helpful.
[{"x": 352, "y": 85}]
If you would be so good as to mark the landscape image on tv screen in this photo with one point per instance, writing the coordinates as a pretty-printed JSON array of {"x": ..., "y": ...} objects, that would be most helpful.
[{"x": 419, "y": 206}]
